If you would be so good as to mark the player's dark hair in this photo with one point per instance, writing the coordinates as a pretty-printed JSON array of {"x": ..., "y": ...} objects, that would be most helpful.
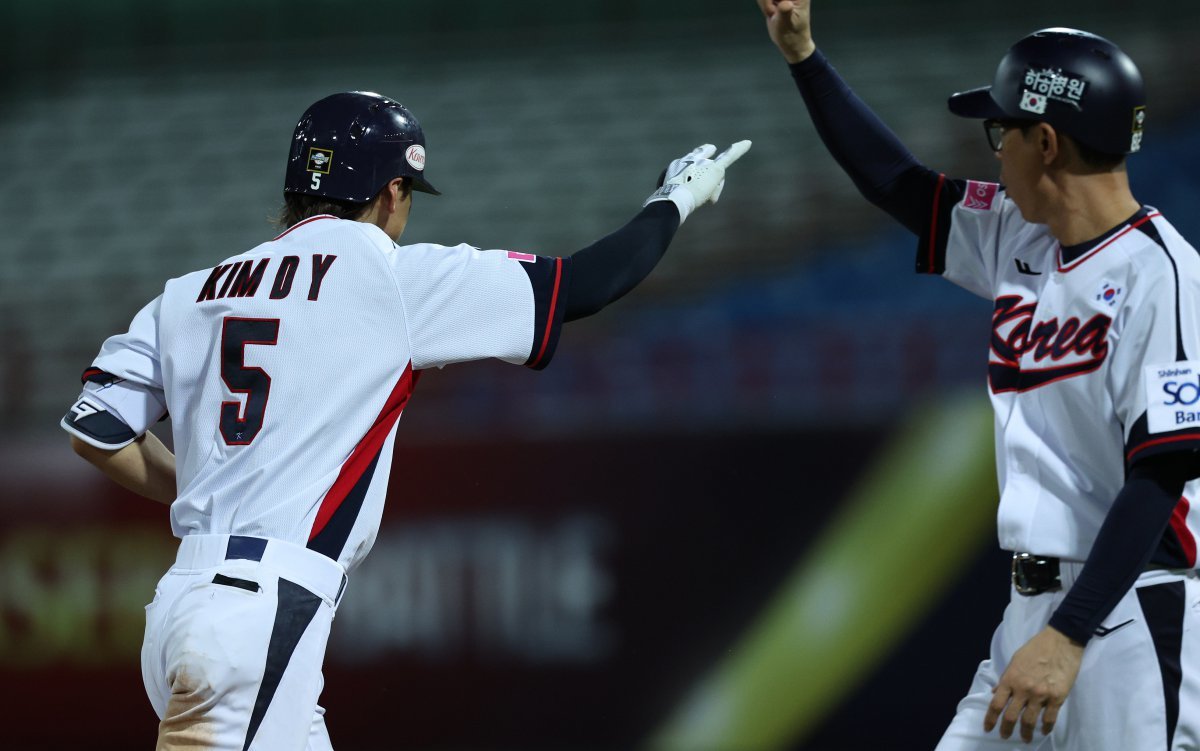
[{"x": 297, "y": 207}]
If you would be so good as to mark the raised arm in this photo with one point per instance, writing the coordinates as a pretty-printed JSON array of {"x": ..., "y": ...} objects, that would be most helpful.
[
  {"x": 608, "y": 269},
  {"x": 881, "y": 167}
]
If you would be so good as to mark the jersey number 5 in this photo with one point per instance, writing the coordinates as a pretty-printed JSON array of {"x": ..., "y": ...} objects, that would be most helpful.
[{"x": 239, "y": 426}]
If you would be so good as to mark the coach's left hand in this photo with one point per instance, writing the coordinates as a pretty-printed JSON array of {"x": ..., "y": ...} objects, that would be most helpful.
[{"x": 1036, "y": 682}]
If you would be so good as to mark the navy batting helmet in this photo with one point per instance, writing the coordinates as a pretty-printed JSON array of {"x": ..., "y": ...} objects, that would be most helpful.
[
  {"x": 1081, "y": 84},
  {"x": 348, "y": 146}
]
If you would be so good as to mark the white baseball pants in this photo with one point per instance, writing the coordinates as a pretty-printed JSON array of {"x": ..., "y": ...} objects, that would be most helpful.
[
  {"x": 1139, "y": 684},
  {"x": 235, "y": 639}
]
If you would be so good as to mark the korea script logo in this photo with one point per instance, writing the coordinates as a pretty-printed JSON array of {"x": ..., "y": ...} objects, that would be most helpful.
[{"x": 1060, "y": 350}]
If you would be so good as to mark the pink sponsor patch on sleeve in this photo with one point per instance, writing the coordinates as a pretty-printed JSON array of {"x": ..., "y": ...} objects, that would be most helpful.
[
  {"x": 522, "y": 257},
  {"x": 980, "y": 196}
]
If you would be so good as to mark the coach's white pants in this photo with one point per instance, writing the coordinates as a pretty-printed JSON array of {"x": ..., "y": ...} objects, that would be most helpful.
[
  {"x": 239, "y": 659},
  {"x": 1119, "y": 701}
]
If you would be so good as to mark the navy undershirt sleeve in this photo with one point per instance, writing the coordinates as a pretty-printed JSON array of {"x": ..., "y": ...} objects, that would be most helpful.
[
  {"x": 1128, "y": 538},
  {"x": 609, "y": 268},
  {"x": 879, "y": 164}
]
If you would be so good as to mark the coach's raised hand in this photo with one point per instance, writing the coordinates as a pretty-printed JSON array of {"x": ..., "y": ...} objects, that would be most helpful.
[
  {"x": 789, "y": 27},
  {"x": 697, "y": 178}
]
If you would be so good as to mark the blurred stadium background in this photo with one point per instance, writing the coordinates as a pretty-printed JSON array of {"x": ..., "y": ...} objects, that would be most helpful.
[{"x": 763, "y": 509}]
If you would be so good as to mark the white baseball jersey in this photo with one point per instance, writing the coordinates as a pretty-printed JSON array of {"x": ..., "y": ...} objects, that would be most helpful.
[
  {"x": 285, "y": 370},
  {"x": 1094, "y": 363}
]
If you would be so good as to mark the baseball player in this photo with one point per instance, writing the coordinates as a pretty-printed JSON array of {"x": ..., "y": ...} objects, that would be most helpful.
[
  {"x": 285, "y": 370},
  {"x": 1094, "y": 374}
]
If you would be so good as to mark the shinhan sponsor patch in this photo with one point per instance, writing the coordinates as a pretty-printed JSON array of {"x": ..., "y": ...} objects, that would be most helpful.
[{"x": 1172, "y": 396}]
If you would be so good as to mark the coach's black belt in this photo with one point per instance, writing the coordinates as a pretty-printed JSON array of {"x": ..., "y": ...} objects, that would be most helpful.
[{"x": 1033, "y": 575}]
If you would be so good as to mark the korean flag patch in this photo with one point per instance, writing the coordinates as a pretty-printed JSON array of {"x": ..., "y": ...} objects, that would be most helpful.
[
  {"x": 1031, "y": 101},
  {"x": 1172, "y": 396}
]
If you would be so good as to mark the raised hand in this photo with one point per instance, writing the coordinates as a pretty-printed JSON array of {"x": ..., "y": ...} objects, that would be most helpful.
[{"x": 789, "y": 27}]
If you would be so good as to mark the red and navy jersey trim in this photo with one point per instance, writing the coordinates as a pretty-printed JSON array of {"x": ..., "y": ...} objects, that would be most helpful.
[
  {"x": 548, "y": 277},
  {"x": 1163, "y": 444},
  {"x": 1177, "y": 548},
  {"x": 1071, "y": 257},
  {"x": 931, "y": 248},
  {"x": 339, "y": 509},
  {"x": 96, "y": 375},
  {"x": 1142, "y": 444},
  {"x": 1150, "y": 231}
]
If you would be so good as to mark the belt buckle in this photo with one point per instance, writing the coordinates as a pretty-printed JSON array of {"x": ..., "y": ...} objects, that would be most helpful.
[{"x": 1033, "y": 575}]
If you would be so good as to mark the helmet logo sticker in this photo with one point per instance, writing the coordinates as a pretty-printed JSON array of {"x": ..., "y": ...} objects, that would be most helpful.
[
  {"x": 415, "y": 156},
  {"x": 1051, "y": 83},
  {"x": 320, "y": 160},
  {"x": 1139, "y": 122}
]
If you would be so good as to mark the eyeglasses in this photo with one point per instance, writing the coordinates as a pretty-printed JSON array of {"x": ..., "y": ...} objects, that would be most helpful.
[
  {"x": 995, "y": 130},
  {"x": 995, "y": 134}
]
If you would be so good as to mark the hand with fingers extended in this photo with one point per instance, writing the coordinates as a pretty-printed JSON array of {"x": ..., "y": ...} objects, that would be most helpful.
[
  {"x": 1037, "y": 681},
  {"x": 788, "y": 24},
  {"x": 697, "y": 178}
]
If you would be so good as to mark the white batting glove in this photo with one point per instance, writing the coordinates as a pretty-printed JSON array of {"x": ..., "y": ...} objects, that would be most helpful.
[{"x": 696, "y": 178}]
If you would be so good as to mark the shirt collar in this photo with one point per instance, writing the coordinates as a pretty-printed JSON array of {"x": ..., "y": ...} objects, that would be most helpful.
[{"x": 1071, "y": 253}]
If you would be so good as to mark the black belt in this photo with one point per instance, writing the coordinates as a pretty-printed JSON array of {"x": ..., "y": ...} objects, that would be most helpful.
[
  {"x": 245, "y": 548},
  {"x": 1033, "y": 575}
]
